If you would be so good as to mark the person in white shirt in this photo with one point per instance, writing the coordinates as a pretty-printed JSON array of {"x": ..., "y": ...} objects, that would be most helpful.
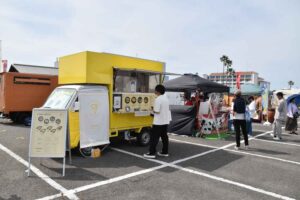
[
  {"x": 162, "y": 118},
  {"x": 280, "y": 117},
  {"x": 252, "y": 106}
]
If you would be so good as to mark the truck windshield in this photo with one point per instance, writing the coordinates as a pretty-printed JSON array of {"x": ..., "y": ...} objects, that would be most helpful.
[{"x": 60, "y": 98}]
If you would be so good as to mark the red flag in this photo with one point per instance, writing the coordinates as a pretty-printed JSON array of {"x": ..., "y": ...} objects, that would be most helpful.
[{"x": 238, "y": 80}]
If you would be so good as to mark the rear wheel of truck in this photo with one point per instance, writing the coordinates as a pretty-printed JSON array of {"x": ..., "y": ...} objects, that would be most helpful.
[
  {"x": 143, "y": 138},
  {"x": 21, "y": 118},
  {"x": 13, "y": 117}
]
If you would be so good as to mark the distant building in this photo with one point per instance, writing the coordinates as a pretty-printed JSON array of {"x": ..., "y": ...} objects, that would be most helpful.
[
  {"x": 247, "y": 77},
  {"x": 33, "y": 69}
]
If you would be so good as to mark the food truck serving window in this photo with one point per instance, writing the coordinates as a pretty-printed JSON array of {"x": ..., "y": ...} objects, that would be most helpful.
[
  {"x": 60, "y": 98},
  {"x": 135, "y": 81}
]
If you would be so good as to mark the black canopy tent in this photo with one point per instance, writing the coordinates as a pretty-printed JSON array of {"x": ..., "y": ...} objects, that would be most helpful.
[
  {"x": 192, "y": 82},
  {"x": 183, "y": 117}
]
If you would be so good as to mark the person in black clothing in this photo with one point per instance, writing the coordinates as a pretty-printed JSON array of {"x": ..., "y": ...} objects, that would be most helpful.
[{"x": 239, "y": 119}]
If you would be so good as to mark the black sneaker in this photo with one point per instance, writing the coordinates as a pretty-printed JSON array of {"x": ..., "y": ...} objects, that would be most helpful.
[
  {"x": 162, "y": 154},
  {"x": 148, "y": 155}
]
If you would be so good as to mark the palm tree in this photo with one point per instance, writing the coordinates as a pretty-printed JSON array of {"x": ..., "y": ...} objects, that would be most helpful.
[
  {"x": 226, "y": 64},
  {"x": 291, "y": 83},
  {"x": 224, "y": 59}
]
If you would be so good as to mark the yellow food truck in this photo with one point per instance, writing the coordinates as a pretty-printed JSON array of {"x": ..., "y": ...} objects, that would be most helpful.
[{"x": 107, "y": 96}]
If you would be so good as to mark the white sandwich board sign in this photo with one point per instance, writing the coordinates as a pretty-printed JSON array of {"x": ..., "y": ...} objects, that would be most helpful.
[{"x": 48, "y": 134}]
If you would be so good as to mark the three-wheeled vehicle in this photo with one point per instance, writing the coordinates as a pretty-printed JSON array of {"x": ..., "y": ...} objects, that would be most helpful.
[{"x": 106, "y": 96}]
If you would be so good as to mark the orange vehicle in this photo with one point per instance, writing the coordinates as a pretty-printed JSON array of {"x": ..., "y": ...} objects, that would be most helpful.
[{"x": 21, "y": 92}]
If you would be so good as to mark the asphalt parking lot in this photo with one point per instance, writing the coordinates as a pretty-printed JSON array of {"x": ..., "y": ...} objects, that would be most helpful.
[{"x": 196, "y": 169}]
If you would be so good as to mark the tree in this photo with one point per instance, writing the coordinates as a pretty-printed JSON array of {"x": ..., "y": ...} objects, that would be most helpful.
[
  {"x": 227, "y": 63},
  {"x": 291, "y": 83}
]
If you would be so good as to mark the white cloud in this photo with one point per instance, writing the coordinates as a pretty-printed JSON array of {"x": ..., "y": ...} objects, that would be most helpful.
[{"x": 190, "y": 36}]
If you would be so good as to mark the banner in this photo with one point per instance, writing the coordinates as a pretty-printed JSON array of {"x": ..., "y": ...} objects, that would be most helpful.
[
  {"x": 238, "y": 80},
  {"x": 94, "y": 117},
  {"x": 265, "y": 97}
]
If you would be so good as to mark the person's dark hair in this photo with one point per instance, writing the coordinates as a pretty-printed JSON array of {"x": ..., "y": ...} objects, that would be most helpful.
[
  {"x": 238, "y": 93},
  {"x": 279, "y": 94},
  {"x": 160, "y": 89},
  {"x": 187, "y": 95},
  {"x": 251, "y": 98}
]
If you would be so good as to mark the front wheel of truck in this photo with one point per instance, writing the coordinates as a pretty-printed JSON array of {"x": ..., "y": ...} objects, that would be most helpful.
[
  {"x": 85, "y": 152},
  {"x": 143, "y": 138}
]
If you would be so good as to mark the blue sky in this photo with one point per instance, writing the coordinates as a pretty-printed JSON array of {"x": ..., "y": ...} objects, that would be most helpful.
[{"x": 190, "y": 36}]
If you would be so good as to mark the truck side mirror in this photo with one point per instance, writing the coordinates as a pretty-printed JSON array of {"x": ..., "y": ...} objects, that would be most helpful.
[{"x": 76, "y": 106}]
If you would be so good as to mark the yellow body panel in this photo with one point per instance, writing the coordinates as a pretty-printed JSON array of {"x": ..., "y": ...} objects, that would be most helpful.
[
  {"x": 97, "y": 68},
  {"x": 72, "y": 69},
  {"x": 74, "y": 129}
]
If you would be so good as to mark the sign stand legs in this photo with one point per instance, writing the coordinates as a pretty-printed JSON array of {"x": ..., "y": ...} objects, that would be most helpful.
[
  {"x": 69, "y": 146},
  {"x": 64, "y": 166},
  {"x": 29, "y": 166}
]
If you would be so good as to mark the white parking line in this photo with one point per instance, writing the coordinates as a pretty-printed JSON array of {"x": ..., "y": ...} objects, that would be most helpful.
[
  {"x": 112, "y": 180},
  {"x": 173, "y": 164},
  {"x": 278, "y": 142},
  {"x": 249, "y": 187},
  {"x": 239, "y": 152},
  {"x": 100, "y": 183},
  {"x": 39, "y": 173},
  {"x": 163, "y": 165},
  {"x": 263, "y": 156},
  {"x": 105, "y": 182}
]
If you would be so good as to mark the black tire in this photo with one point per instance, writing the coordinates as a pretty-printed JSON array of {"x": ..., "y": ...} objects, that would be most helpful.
[
  {"x": 13, "y": 117},
  {"x": 85, "y": 152},
  {"x": 143, "y": 138},
  {"x": 21, "y": 117}
]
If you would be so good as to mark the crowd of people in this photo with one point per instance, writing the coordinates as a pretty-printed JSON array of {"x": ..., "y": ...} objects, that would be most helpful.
[
  {"x": 286, "y": 114},
  {"x": 243, "y": 112}
]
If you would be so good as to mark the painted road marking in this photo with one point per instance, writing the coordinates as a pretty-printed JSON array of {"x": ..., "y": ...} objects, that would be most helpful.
[
  {"x": 240, "y": 152},
  {"x": 278, "y": 142},
  {"x": 220, "y": 179},
  {"x": 172, "y": 164},
  {"x": 39, "y": 173},
  {"x": 105, "y": 182},
  {"x": 242, "y": 185}
]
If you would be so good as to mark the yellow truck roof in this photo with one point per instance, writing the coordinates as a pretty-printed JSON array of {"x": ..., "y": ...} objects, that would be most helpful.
[{"x": 97, "y": 68}]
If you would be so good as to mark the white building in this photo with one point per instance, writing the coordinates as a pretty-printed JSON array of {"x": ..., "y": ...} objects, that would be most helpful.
[{"x": 247, "y": 77}]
